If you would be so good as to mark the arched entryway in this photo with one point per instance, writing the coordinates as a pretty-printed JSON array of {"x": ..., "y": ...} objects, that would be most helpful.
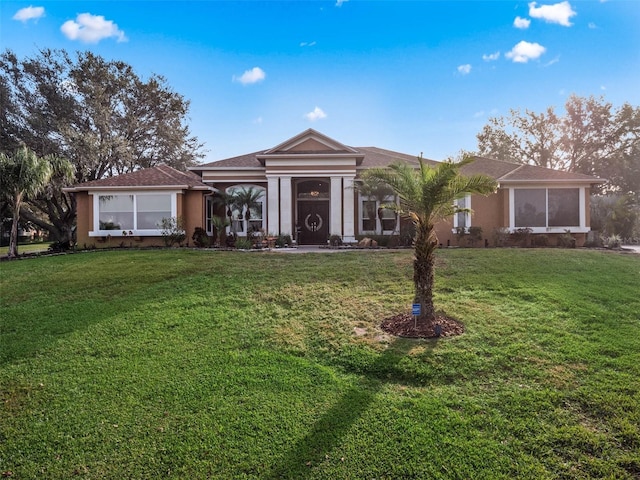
[{"x": 312, "y": 211}]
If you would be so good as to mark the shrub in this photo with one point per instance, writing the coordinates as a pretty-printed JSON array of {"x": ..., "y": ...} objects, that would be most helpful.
[
  {"x": 283, "y": 241},
  {"x": 60, "y": 246},
  {"x": 522, "y": 236},
  {"x": 500, "y": 236},
  {"x": 200, "y": 238},
  {"x": 243, "y": 243},
  {"x": 475, "y": 235},
  {"x": 335, "y": 240},
  {"x": 566, "y": 240},
  {"x": 172, "y": 231},
  {"x": 461, "y": 235},
  {"x": 613, "y": 241}
]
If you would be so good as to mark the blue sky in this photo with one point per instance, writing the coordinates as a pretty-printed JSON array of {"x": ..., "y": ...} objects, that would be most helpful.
[{"x": 410, "y": 76}]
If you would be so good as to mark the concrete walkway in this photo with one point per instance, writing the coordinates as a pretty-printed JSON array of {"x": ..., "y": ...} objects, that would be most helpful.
[{"x": 635, "y": 248}]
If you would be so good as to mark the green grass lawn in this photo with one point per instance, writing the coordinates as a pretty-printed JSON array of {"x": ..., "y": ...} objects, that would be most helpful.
[
  {"x": 27, "y": 248},
  {"x": 229, "y": 365}
]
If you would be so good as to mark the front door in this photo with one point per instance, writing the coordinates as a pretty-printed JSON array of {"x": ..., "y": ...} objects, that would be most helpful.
[{"x": 313, "y": 222}]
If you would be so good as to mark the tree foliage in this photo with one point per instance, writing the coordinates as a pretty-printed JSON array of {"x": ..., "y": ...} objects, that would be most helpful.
[
  {"x": 592, "y": 137},
  {"x": 24, "y": 175},
  {"x": 97, "y": 113},
  {"x": 427, "y": 195}
]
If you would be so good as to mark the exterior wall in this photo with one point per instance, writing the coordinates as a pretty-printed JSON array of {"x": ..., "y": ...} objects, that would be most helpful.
[
  {"x": 191, "y": 209},
  {"x": 487, "y": 212},
  {"x": 84, "y": 219}
]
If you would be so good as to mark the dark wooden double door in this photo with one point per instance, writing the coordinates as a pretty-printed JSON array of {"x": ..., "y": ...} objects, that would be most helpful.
[{"x": 313, "y": 222}]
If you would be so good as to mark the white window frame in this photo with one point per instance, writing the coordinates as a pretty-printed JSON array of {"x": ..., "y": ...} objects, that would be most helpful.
[
  {"x": 582, "y": 228},
  {"x": 97, "y": 232},
  {"x": 467, "y": 203},
  {"x": 388, "y": 199},
  {"x": 245, "y": 223}
]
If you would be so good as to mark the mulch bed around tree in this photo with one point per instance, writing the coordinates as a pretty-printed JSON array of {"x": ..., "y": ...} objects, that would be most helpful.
[{"x": 403, "y": 325}]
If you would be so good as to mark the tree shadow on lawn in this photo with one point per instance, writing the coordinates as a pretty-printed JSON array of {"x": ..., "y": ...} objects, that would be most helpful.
[{"x": 328, "y": 431}]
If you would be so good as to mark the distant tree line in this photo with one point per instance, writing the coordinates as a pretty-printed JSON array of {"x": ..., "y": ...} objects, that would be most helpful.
[{"x": 97, "y": 114}]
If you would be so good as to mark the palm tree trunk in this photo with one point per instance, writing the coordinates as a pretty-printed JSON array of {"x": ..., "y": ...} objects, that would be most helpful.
[{"x": 423, "y": 270}]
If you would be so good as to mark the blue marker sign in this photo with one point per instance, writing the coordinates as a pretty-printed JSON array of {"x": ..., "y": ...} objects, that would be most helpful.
[{"x": 415, "y": 309}]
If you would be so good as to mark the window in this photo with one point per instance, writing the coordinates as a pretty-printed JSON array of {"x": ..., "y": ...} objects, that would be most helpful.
[
  {"x": 370, "y": 213},
  {"x": 547, "y": 208},
  {"x": 369, "y": 216},
  {"x": 531, "y": 207},
  {"x": 462, "y": 219},
  {"x": 239, "y": 223},
  {"x": 133, "y": 213},
  {"x": 209, "y": 215},
  {"x": 564, "y": 207},
  {"x": 116, "y": 212},
  {"x": 151, "y": 210}
]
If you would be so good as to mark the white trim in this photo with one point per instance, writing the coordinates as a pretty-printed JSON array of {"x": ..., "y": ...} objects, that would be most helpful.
[
  {"x": 582, "y": 195},
  {"x": 96, "y": 232},
  {"x": 273, "y": 205},
  {"x": 467, "y": 204},
  {"x": 378, "y": 228}
]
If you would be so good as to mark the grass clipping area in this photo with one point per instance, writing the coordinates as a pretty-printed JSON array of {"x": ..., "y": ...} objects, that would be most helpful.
[{"x": 191, "y": 364}]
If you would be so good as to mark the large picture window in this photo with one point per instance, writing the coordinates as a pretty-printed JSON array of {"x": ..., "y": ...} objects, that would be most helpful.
[
  {"x": 133, "y": 213},
  {"x": 546, "y": 208}
]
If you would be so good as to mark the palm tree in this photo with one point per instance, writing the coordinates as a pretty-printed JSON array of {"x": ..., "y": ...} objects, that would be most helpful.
[
  {"x": 219, "y": 223},
  {"x": 428, "y": 195},
  {"x": 228, "y": 201},
  {"x": 22, "y": 176},
  {"x": 248, "y": 198},
  {"x": 377, "y": 191}
]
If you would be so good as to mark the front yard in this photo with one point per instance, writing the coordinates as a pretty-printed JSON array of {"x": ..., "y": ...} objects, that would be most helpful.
[{"x": 200, "y": 364}]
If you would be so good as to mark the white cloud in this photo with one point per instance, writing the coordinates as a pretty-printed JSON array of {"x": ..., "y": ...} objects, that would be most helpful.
[
  {"x": 592, "y": 25},
  {"x": 91, "y": 29},
  {"x": 479, "y": 114},
  {"x": 307, "y": 44},
  {"x": 29, "y": 13},
  {"x": 255, "y": 75},
  {"x": 551, "y": 62},
  {"x": 525, "y": 51},
  {"x": 258, "y": 121},
  {"x": 464, "y": 69},
  {"x": 559, "y": 13},
  {"x": 316, "y": 114},
  {"x": 340, "y": 2},
  {"x": 522, "y": 23},
  {"x": 491, "y": 57}
]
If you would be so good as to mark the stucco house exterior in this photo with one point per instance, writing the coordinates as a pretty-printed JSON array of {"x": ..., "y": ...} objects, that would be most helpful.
[{"x": 308, "y": 190}]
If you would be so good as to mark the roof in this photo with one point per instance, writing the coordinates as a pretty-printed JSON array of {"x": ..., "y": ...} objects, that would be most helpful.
[
  {"x": 507, "y": 172},
  {"x": 162, "y": 176}
]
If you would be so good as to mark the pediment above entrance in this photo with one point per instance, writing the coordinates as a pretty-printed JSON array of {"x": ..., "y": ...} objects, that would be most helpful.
[
  {"x": 310, "y": 151},
  {"x": 310, "y": 141}
]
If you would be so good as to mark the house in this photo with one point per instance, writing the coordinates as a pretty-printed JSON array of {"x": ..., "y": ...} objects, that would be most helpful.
[{"x": 307, "y": 188}]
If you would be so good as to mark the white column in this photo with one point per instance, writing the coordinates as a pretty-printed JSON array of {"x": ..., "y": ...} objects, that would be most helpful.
[
  {"x": 285, "y": 206},
  {"x": 348, "y": 193},
  {"x": 335, "y": 227},
  {"x": 273, "y": 205}
]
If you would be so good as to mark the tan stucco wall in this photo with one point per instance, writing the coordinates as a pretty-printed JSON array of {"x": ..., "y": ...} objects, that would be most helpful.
[
  {"x": 191, "y": 209},
  {"x": 84, "y": 219}
]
